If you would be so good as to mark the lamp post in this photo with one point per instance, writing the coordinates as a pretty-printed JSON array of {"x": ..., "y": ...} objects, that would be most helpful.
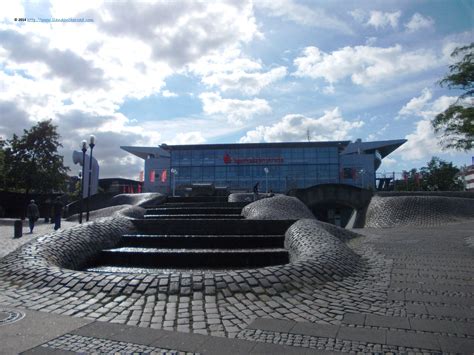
[
  {"x": 174, "y": 172},
  {"x": 81, "y": 204},
  {"x": 362, "y": 173},
  {"x": 91, "y": 145},
  {"x": 266, "y": 178}
]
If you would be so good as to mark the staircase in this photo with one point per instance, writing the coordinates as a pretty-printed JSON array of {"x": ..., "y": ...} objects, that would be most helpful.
[{"x": 197, "y": 234}]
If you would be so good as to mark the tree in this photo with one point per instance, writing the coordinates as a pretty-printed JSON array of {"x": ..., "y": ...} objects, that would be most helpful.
[
  {"x": 441, "y": 175},
  {"x": 438, "y": 175},
  {"x": 457, "y": 121},
  {"x": 32, "y": 161}
]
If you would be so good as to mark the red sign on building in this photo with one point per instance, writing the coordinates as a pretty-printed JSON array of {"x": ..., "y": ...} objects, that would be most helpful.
[{"x": 228, "y": 160}]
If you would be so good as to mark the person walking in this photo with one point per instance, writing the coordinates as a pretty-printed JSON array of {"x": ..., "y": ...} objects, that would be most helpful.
[
  {"x": 32, "y": 212},
  {"x": 255, "y": 191},
  {"x": 57, "y": 211}
]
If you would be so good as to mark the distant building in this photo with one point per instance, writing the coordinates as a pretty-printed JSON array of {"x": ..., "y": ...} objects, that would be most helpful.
[
  {"x": 120, "y": 185},
  {"x": 240, "y": 166}
]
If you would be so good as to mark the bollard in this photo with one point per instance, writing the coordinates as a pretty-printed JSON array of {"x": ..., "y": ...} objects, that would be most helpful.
[{"x": 18, "y": 229}]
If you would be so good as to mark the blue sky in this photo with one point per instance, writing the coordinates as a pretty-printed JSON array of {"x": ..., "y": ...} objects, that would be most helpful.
[{"x": 186, "y": 72}]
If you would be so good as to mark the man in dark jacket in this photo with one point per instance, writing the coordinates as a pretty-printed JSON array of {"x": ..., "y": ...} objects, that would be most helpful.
[
  {"x": 57, "y": 211},
  {"x": 32, "y": 212}
]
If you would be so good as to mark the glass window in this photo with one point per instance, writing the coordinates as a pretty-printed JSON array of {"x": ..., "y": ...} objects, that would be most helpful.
[
  {"x": 184, "y": 172},
  {"x": 220, "y": 173},
  {"x": 208, "y": 157},
  {"x": 196, "y": 174},
  {"x": 232, "y": 172},
  {"x": 185, "y": 157},
  {"x": 208, "y": 173}
]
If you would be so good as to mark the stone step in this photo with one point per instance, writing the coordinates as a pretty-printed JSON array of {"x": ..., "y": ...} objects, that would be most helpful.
[
  {"x": 192, "y": 258},
  {"x": 193, "y": 216},
  {"x": 213, "y": 226},
  {"x": 197, "y": 199},
  {"x": 203, "y": 241},
  {"x": 194, "y": 210},
  {"x": 201, "y": 204}
]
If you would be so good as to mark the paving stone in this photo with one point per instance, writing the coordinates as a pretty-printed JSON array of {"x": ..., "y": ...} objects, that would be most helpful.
[
  {"x": 415, "y": 340},
  {"x": 387, "y": 322},
  {"x": 120, "y": 332},
  {"x": 275, "y": 325},
  {"x": 318, "y": 330},
  {"x": 442, "y": 326},
  {"x": 362, "y": 334},
  {"x": 456, "y": 345},
  {"x": 354, "y": 318}
]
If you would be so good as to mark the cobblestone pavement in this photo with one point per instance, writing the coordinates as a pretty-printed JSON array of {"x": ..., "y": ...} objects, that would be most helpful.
[
  {"x": 9, "y": 244},
  {"x": 88, "y": 345},
  {"x": 420, "y": 276}
]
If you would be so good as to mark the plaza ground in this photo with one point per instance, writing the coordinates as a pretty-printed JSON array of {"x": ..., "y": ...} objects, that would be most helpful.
[{"x": 414, "y": 296}]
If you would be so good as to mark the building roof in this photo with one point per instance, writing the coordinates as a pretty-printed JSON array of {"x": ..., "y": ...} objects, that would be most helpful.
[
  {"x": 383, "y": 147},
  {"x": 145, "y": 152},
  {"x": 341, "y": 144}
]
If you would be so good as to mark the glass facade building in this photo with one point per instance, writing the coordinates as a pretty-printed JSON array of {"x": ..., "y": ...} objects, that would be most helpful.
[{"x": 283, "y": 166}]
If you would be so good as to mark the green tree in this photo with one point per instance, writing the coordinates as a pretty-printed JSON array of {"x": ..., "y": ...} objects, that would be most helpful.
[
  {"x": 457, "y": 122},
  {"x": 441, "y": 175},
  {"x": 32, "y": 162}
]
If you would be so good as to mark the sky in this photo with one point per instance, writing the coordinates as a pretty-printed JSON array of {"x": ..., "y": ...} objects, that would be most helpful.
[{"x": 189, "y": 72}]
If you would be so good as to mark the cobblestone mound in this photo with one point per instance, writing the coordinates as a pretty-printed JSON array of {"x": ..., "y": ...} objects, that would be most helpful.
[
  {"x": 248, "y": 197},
  {"x": 277, "y": 207},
  {"x": 143, "y": 200},
  {"x": 54, "y": 262},
  {"x": 422, "y": 211}
]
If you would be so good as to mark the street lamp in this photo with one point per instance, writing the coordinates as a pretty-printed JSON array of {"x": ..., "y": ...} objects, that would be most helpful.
[
  {"x": 91, "y": 145},
  {"x": 174, "y": 172},
  {"x": 266, "y": 178},
  {"x": 81, "y": 204},
  {"x": 362, "y": 173}
]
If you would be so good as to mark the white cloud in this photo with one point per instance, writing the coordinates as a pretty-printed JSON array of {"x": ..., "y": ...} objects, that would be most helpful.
[
  {"x": 422, "y": 107},
  {"x": 416, "y": 104},
  {"x": 422, "y": 143},
  {"x": 231, "y": 71},
  {"x": 379, "y": 19},
  {"x": 363, "y": 64},
  {"x": 179, "y": 33},
  {"x": 418, "y": 22},
  {"x": 330, "y": 126},
  {"x": 236, "y": 111},
  {"x": 303, "y": 15},
  {"x": 358, "y": 15},
  {"x": 167, "y": 93},
  {"x": 194, "y": 137},
  {"x": 11, "y": 9}
]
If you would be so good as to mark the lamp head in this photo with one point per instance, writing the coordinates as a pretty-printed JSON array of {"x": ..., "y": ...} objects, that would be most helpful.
[
  {"x": 92, "y": 140},
  {"x": 84, "y": 146}
]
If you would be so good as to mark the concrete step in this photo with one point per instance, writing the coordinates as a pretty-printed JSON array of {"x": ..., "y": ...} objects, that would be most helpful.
[
  {"x": 201, "y": 204},
  {"x": 197, "y": 199},
  {"x": 213, "y": 226},
  {"x": 203, "y": 241},
  {"x": 193, "y": 258},
  {"x": 193, "y": 216},
  {"x": 194, "y": 210}
]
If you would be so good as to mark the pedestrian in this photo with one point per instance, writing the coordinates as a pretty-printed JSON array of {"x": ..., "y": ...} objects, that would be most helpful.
[
  {"x": 32, "y": 212},
  {"x": 255, "y": 191},
  {"x": 58, "y": 211}
]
